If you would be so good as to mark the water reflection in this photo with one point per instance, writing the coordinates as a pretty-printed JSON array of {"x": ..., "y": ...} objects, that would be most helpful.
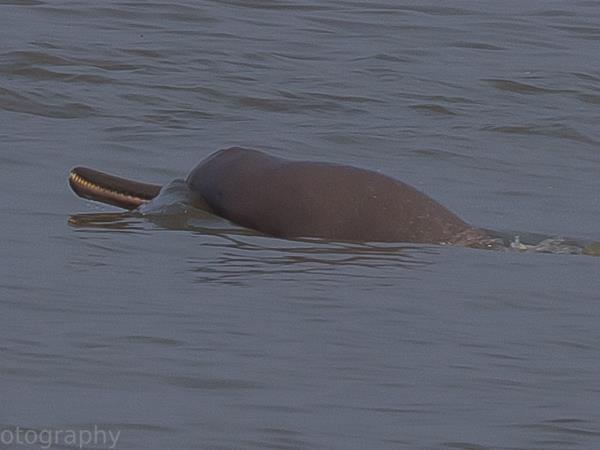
[
  {"x": 314, "y": 257},
  {"x": 244, "y": 249},
  {"x": 241, "y": 252}
]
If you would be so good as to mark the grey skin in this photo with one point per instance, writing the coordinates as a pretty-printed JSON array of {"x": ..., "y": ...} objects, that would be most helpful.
[{"x": 293, "y": 199}]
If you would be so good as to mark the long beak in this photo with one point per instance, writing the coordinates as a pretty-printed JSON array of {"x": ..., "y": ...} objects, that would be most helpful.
[{"x": 105, "y": 188}]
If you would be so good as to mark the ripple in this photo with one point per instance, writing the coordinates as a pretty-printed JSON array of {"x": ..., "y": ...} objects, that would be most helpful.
[
  {"x": 130, "y": 426},
  {"x": 32, "y": 57},
  {"x": 22, "y": 2},
  {"x": 277, "y": 5},
  {"x": 555, "y": 130},
  {"x": 433, "y": 108},
  {"x": 561, "y": 426},
  {"x": 581, "y": 31},
  {"x": 209, "y": 383},
  {"x": 153, "y": 340},
  {"x": 242, "y": 260},
  {"x": 45, "y": 66},
  {"x": 385, "y": 57},
  {"x": 12, "y": 101},
  {"x": 124, "y": 222},
  {"x": 553, "y": 13},
  {"x": 476, "y": 45},
  {"x": 36, "y": 73},
  {"x": 521, "y": 88},
  {"x": 464, "y": 446},
  {"x": 592, "y": 99}
]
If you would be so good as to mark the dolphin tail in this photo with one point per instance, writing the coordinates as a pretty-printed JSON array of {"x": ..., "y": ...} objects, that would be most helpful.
[{"x": 105, "y": 188}]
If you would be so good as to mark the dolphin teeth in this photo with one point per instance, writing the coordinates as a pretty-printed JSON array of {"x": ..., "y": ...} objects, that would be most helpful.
[{"x": 80, "y": 181}]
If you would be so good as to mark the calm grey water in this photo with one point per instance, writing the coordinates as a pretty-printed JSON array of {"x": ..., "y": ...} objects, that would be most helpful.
[{"x": 181, "y": 331}]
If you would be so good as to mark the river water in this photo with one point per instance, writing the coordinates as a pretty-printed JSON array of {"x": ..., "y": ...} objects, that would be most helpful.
[{"x": 179, "y": 330}]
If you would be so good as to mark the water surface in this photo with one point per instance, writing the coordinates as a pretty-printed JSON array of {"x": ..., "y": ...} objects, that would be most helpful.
[{"x": 203, "y": 335}]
